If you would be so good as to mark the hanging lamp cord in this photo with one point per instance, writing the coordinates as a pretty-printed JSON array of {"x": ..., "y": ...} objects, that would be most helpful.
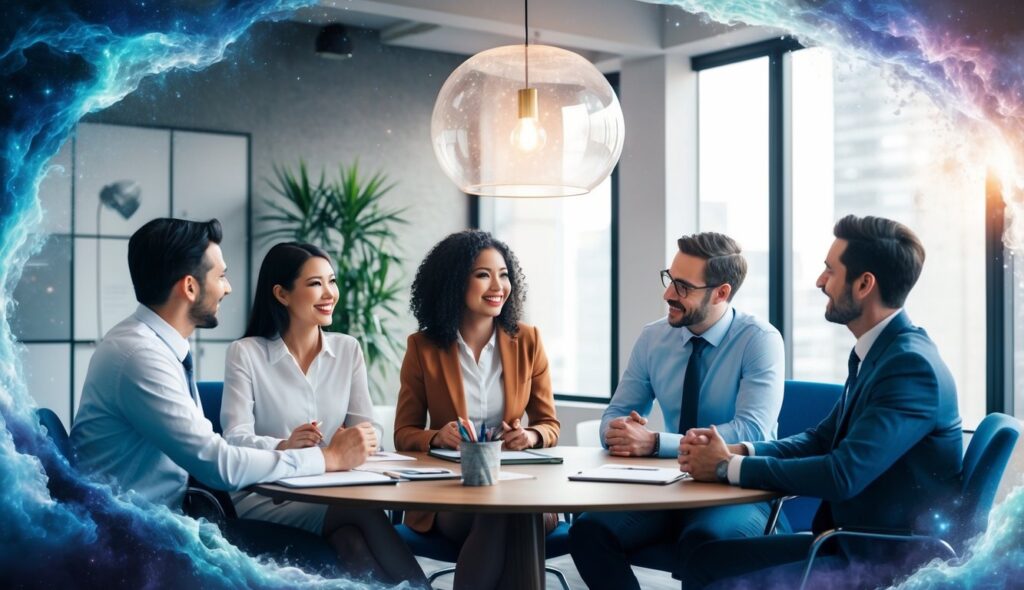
[{"x": 526, "y": 39}]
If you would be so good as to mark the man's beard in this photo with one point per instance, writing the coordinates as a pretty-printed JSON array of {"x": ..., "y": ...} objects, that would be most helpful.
[
  {"x": 844, "y": 309},
  {"x": 202, "y": 313},
  {"x": 695, "y": 316}
]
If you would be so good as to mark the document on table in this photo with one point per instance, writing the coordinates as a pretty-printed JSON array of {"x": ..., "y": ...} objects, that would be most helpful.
[
  {"x": 629, "y": 474},
  {"x": 337, "y": 478},
  {"x": 388, "y": 456},
  {"x": 507, "y": 457}
]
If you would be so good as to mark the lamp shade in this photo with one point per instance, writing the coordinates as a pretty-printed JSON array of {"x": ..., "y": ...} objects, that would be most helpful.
[{"x": 495, "y": 134}]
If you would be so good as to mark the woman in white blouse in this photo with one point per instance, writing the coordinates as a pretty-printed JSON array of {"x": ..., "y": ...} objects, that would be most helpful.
[{"x": 288, "y": 384}]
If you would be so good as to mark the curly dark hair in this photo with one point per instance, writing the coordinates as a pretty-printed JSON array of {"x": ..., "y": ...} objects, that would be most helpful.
[{"x": 439, "y": 290}]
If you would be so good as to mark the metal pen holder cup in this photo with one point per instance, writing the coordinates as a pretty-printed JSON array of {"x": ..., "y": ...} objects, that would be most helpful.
[{"x": 481, "y": 463}]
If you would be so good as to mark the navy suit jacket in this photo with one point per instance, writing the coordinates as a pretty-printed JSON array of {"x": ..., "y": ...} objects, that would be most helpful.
[{"x": 896, "y": 456}]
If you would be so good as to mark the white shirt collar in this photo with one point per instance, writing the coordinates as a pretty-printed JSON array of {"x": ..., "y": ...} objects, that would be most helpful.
[
  {"x": 277, "y": 349},
  {"x": 166, "y": 332},
  {"x": 867, "y": 339}
]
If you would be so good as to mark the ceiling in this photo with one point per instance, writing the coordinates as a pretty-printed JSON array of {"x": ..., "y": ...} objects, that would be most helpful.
[{"x": 603, "y": 31}]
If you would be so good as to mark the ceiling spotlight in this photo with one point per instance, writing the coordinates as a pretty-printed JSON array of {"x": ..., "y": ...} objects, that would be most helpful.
[{"x": 334, "y": 42}]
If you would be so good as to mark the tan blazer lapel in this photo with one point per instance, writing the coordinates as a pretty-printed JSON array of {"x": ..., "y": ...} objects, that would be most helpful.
[
  {"x": 453, "y": 378},
  {"x": 508, "y": 347}
]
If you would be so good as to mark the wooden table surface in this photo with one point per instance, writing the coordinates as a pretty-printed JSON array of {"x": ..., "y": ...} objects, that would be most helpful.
[{"x": 551, "y": 491}]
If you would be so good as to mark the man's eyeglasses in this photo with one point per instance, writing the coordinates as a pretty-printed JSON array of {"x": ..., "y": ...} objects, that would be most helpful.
[{"x": 682, "y": 289}]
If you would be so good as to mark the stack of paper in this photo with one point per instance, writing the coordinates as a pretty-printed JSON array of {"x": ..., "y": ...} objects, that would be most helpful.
[{"x": 629, "y": 474}]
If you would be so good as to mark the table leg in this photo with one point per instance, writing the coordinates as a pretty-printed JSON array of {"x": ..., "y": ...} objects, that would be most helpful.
[{"x": 524, "y": 553}]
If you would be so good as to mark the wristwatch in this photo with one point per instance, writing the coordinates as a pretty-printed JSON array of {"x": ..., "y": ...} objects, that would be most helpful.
[
  {"x": 657, "y": 444},
  {"x": 722, "y": 471}
]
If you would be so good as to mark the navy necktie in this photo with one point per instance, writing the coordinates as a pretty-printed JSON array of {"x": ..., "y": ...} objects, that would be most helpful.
[
  {"x": 844, "y": 401},
  {"x": 189, "y": 375},
  {"x": 691, "y": 386},
  {"x": 851, "y": 379}
]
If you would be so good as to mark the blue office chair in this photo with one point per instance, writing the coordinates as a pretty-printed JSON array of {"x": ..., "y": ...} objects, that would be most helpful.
[
  {"x": 804, "y": 404},
  {"x": 984, "y": 464},
  {"x": 433, "y": 545},
  {"x": 210, "y": 394},
  {"x": 253, "y": 536},
  {"x": 56, "y": 432}
]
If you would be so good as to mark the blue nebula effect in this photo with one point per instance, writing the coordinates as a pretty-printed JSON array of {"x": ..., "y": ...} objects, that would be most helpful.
[
  {"x": 59, "y": 61},
  {"x": 63, "y": 59}
]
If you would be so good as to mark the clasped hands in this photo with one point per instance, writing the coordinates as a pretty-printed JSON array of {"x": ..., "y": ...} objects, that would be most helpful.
[
  {"x": 349, "y": 447},
  {"x": 514, "y": 437},
  {"x": 700, "y": 450}
]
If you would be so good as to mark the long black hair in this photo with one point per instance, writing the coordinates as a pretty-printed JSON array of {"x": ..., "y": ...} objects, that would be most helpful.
[
  {"x": 281, "y": 266},
  {"x": 439, "y": 290}
]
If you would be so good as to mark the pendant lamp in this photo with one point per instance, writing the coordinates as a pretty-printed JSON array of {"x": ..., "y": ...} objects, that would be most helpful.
[{"x": 527, "y": 121}]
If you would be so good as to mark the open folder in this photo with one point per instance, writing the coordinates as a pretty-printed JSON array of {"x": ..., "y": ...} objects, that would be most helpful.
[
  {"x": 337, "y": 478},
  {"x": 629, "y": 474},
  {"x": 507, "y": 457}
]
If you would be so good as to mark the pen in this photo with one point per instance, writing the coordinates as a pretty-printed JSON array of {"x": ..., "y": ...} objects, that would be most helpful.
[
  {"x": 634, "y": 468},
  {"x": 462, "y": 432},
  {"x": 316, "y": 426}
]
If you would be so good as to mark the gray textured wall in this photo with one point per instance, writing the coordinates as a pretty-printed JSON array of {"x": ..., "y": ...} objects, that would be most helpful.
[{"x": 375, "y": 107}]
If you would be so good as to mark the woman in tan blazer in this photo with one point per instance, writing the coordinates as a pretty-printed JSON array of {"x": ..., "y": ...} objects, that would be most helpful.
[{"x": 472, "y": 359}]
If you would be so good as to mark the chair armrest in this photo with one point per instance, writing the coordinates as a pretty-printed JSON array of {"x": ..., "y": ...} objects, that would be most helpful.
[
  {"x": 876, "y": 534},
  {"x": 202, "y": 503}
]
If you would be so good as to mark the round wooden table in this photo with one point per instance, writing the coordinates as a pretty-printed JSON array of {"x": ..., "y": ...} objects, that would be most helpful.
[{"x": 527, "y": 499}]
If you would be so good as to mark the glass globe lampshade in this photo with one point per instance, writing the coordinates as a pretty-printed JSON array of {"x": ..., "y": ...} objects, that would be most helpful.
[{"x": 557, "y": 133}]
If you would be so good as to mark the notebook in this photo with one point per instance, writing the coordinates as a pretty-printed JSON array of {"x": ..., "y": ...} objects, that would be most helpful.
[
  {"x": 507, "y": 457},
  {"x": 629, "y": 474},
  {"x": 337, "y": 478}
]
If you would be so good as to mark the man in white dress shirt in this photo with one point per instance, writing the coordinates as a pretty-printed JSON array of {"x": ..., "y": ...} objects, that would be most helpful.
[{"x": 140, "y": 422}]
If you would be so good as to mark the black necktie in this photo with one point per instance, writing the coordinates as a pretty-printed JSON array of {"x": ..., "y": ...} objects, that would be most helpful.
[
  {"x": 189, "y": 375},
  {"x": 691, "y": 386}
]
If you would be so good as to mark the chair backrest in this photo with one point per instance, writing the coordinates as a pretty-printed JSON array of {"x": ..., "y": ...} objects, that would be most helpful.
[
  {"x": 55, "y": 431},
  {"x": 804, "y": 404},
  {"x": 588, "y": 433},
  {"x": 984, "y": 463},
  {"x": 210, "y": 393}
]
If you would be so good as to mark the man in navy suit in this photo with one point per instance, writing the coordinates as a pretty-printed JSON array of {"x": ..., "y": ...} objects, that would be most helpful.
[{"x": 889, "y": 454}]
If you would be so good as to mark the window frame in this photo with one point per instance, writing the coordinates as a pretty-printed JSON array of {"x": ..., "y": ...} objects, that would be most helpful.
[
  {"x": 474, "y": 223},
  {"x": 998, "y": 262}
]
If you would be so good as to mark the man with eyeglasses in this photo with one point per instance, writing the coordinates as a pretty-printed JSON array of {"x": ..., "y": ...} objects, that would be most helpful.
[{"x": 705, "y": 364}]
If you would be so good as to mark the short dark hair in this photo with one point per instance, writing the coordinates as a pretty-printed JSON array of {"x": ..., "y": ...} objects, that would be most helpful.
[
  {"x": 164, "y": 251},
  {"x": 725, "y": 261},
  {"x": 439, "y": 290},
  {"x": 281, "y": 266},
  {"x": 885, "y": 248}
]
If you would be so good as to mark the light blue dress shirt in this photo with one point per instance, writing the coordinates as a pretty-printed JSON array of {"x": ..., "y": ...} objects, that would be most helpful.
[
  {"x": 139, "y": 426},
  {"x": 744, "y": 374}
]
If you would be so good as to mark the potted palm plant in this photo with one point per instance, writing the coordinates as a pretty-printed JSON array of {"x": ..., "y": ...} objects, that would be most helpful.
[{"x": 347, "y": 218}]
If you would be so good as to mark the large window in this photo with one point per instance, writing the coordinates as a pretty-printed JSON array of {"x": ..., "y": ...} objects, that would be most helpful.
[
  {"x": 851, "y": 142},
  {"x": 565, "y": 249},
  {"x": 733, "y": 167}
]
